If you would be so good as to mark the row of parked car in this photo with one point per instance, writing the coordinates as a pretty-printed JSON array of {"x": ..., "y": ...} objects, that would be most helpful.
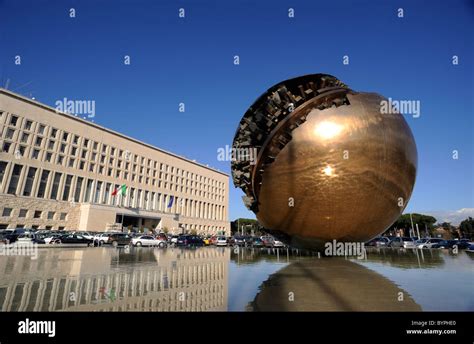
[
  {"x": 423, "y": 243},
  {"x": 115, "y": 239}
]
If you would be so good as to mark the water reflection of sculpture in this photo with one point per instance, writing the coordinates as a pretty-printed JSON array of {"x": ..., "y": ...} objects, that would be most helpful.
[
  {"x": 85, "y": 280},
  {"x": 330, "y": 285}
]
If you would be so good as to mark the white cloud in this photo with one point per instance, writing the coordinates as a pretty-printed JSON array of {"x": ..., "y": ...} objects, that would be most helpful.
[{"x": 453, "y": 216}]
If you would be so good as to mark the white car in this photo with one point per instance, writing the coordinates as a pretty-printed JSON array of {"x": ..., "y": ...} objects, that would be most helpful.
[
  {"x": 26, "y": 237},
  {"x": 50, "y": 238},
  {"x": 427, "y": 242},
  {"x": 148, "y": 240},
  {"x": 101, "y": 238},
  {"x": 278, "y": 243},
  {"x": 221, "y": 241},
  {"x": 86, "y": 235}
]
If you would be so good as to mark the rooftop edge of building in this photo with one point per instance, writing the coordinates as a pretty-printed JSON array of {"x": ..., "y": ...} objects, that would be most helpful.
[{"x": 49, "y": 108}]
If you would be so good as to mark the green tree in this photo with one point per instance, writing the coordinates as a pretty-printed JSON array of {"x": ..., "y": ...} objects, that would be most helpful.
[
  {"x": 248, "y": 225},
  {"x": 466, "y": 227},
  {"x": 423, "y": 221}
]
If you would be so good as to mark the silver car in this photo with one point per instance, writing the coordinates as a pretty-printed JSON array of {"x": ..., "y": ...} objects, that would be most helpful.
[
  {"x": 405, "y": 242},
  {"x": 427, "y": 242}
]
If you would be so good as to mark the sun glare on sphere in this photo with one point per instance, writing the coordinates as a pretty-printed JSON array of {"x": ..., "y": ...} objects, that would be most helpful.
[
  {"x": 328, "y": 130},
  {"x": 328, "y": 171}
]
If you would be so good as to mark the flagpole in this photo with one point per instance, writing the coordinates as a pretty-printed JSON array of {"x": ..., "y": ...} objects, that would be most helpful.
[{"x": 122, "y": 209}]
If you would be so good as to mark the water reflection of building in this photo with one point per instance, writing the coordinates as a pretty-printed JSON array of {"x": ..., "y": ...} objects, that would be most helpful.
[{"x": 108, "y": 280}]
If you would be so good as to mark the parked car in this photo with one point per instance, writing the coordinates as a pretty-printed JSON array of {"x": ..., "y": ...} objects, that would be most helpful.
[
  {"x": 221, "y": 241},
  {"x": 118, "y": 239},
  {"x": 427, "y": 242},
  {"x": 460, "y": 244},
  {"x": 49, "y": 238},
  {"x": 27, "y": 237},
  {"x": 257, "y": 242},
  {"x": 213, "y": 240},
  {"x": 405, "y": 242},
  {"x": 101, "y": 238},
  {"x": 189, "y": 240},
  {"x": 378, "y": 242},
  {"x": 267, "y": 240},
  {"x": 148, "y": 240},
  {"x": 71, "y": 239},
  {"x": 470, "y": 248},
  {"x": 174, "y": 239},
  {"x": 13, "y": 236},
  {"x": 85, "y": 234},
  {"x": 240, "y": 240},
  {"x": 278, "y": 244}
]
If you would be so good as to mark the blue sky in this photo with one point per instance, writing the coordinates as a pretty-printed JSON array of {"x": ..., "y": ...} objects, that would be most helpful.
[{"x": 190, "y": 60}]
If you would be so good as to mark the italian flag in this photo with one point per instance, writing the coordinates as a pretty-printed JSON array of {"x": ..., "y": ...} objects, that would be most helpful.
[{"x": 120, "y": 190}]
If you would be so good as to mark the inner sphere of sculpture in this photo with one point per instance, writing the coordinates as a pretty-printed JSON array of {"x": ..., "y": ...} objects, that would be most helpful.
[{"x": 346, "y": 174}]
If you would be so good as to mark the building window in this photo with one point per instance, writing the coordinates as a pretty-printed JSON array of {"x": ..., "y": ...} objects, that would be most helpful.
[
  {"x": 37, "y": 214},
  {"x": 75, "y": 140},
  {"x": 41, "y": 129},
  {"x": 7, "y": 211},
  {"x": 54, "y": 132},
  {"x": 30, "y": 179},
  {"x": 23, "y": 213},
  {"x": 83, "y": 154},
  {"x": 97, "y": 192},
  {"x": 105, "y": 200},
  {"x": 38, "y": 141},
  {"x": 81, "y": 165},
  {"x": 51, "y": 144},
  {"x": 35, "y": 154},
  {"x": 95, "y": 145},
  {"x": 48, "y": 157},
  {"x": 77, "y": 192},
  {"x": 91, "y": 167},
  {"x": 94, "y": 156},
  {"x": 28, "y": 125},
  {"x": 42, "y": 185},
  {"x": 21, "y": 150},
  {"x": 62, "y": 148},
  {"x": 55, "y": 188},
  {"x": 85, "y": 143},
  {"x": 73, "y": 150},
  {"x": 62, "y": 216},
  {"x": 87, "y": 196},
  {"x": 71, "y": 162},
  {"x": 10, "y": 133},
  {"x": 67, "y": 187},
  {"x": 14, "y": 179},
  {"x": 51, "y": 215},
  {"x": 6, "y": 147},
  {"x": 48, "y": 228},
  {"x": 14, "y": 120},
  {"x": 3, "y": 167},
  {"x": 65, "y": 136},
  {"x": 60, "y": 228},
  {"x": 104, "y": 148},
  {"x": 24, "y": 137},
  {"x": 60, "y": 159}
]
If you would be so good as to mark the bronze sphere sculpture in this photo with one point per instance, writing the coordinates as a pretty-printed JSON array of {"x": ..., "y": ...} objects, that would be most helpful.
[{"x": 328, "y": 164}]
